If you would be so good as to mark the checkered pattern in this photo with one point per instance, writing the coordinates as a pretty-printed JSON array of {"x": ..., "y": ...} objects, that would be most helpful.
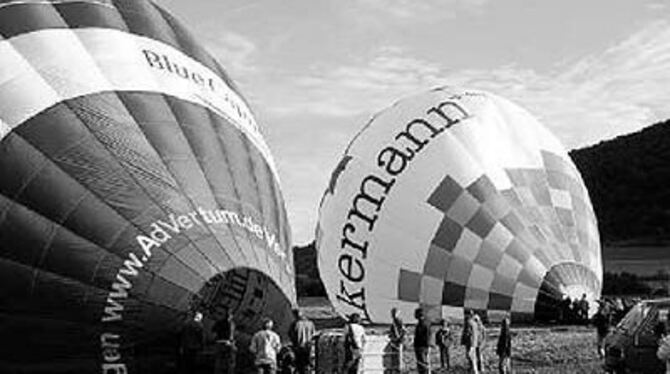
[{"x": 495, "y": 250}]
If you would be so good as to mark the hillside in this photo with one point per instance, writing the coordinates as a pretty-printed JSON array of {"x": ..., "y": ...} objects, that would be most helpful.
[{"x": 627, "y": 178}]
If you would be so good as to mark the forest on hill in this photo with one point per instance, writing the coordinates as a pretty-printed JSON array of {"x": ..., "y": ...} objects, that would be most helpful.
[{"x": 627, "y": 178}]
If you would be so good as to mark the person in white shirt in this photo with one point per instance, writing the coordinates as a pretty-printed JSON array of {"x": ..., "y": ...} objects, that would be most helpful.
[
  {"x": 354, "y": 340},
  {"x": 663, "y": 351},
  {"x": 265, "y": 345}
]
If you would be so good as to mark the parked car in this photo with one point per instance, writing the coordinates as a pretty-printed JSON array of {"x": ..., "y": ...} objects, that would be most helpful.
[{"x": 631, "y": 346}]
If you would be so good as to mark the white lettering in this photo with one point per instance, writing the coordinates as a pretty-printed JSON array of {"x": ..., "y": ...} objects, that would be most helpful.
[
  {"x": 146, "y": 244},
  {"x": 158, "y": 233}
]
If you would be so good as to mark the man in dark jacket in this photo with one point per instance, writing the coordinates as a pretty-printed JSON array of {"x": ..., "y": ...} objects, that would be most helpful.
[
  {"x": 583, "y": 310},
  {"x": 224, "y": 330},
  {"x": 192, "y": 342},
  {"x": 443, "y": 339},
  {"x": 601, "y": 320},
  {"x": 301, "y": 332},
  {"x": 421, "y": 342},
  {"x": 504, "y": 347}
]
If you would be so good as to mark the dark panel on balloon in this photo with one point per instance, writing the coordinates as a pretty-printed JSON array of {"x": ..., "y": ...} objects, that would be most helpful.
[
  {"x": 447, "y": 234},
  {"x": 20, "y": 18},
  {"x": 409, "y": 286},
  {"x": 437, "y": 262},
  {"x": 445, "y": 194},
  {"x": 87, "y": 14},
  {"x": 142, "y": 18},
  {"x": 17, "y": 281},
  {"x": 453, "y": 294}
]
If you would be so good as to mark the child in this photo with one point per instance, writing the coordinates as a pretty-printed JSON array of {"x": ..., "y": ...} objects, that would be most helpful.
[
  {"x": 286, "y": 360},
  {"x": 444, "y": 339}
]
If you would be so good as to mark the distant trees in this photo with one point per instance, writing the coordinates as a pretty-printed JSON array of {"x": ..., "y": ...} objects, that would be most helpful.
[
  {"x": 627, "y": 180},
  {"x": 624, "y": 284},
  {"x": 308, "y": 281}
]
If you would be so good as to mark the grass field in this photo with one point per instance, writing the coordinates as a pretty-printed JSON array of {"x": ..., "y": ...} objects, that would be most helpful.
[{"x": 546, "y": 350}]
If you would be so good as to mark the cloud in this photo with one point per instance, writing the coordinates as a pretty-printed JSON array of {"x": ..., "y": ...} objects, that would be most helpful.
[
  {"x": 613, "y": 92},
  {"x": 599, "y": 96},
  {"x": 352, "y": 90},
  {"x": 656, "y": 6},
  {"x": 409, "y": 10},
  {"x": 235, "y": 51}
]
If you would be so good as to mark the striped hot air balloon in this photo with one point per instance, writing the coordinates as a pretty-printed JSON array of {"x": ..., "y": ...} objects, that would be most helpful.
[
  {"x": 457, "y": 200},
  {"x": 135, "y": 187}
]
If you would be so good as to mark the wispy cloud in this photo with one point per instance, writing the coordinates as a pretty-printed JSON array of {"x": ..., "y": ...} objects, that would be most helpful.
[
  {"x": 615, "y": 91},
  {"x": 235, "y": 51},
  {"x": 606, "y": 94},
  {"x": 425, "y": 9},
  {"x": 352, "y": 90}
]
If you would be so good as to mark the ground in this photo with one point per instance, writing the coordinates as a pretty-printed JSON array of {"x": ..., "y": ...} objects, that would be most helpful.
[
  {"x": 541, "y": 350},
  {"x": 546, "y": 350},
  {"x": 535, "y": 349}
]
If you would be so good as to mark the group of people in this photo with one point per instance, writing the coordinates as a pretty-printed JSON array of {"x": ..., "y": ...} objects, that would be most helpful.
[
  {"x": 573, "y": 311},
  {"x": 473, "y": 338},
  {"x": 269, "y": 355}
]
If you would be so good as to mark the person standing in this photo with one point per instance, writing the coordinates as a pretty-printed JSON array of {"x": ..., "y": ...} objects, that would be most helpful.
[
  {"x": 354, "y": 342},
  {"x": 301, "y": 332},
  {"x": 265, "y": 345},
  {"x": 421, "y": 342},
  {"x": 444, "y": 340},
  {"x": 470, "y": 342},
  {"x": 286, "y": 360},
  {"x": 481, "y": 340},
  {"x": 602, "y": 323},
  {"x": 397, "y": 337},
  {"x": 574, "y": 311},
  {"x": 504, "y": 347},
  {"x": 191, "y": 343},
  {"x": 663, "y": 351},
  {"x": 583, "y": 309},
  {"x": 226, "y": 351},
  {"x": 564, "y": 310}
]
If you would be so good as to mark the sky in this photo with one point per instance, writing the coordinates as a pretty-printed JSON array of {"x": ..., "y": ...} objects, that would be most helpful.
[{"x": 315, "y": 71}]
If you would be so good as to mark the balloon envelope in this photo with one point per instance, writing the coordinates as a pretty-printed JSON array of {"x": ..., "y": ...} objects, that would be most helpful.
[
  {"x": 135, "y": 187},
  {"x": 452, "y": 200}
]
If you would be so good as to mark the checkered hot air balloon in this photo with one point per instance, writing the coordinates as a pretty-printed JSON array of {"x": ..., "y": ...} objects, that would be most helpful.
[
  {"x": 135, "y": 187},
  {"x": 455, "y": 200}
]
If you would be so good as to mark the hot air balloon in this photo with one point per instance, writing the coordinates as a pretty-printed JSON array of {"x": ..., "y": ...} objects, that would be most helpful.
[
  {"x": 456, "y": 200},
  {"x": 135, "y": 188}
]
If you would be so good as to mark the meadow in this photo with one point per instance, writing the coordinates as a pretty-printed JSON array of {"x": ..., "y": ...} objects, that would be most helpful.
[{"x": 536, "y": 349}]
